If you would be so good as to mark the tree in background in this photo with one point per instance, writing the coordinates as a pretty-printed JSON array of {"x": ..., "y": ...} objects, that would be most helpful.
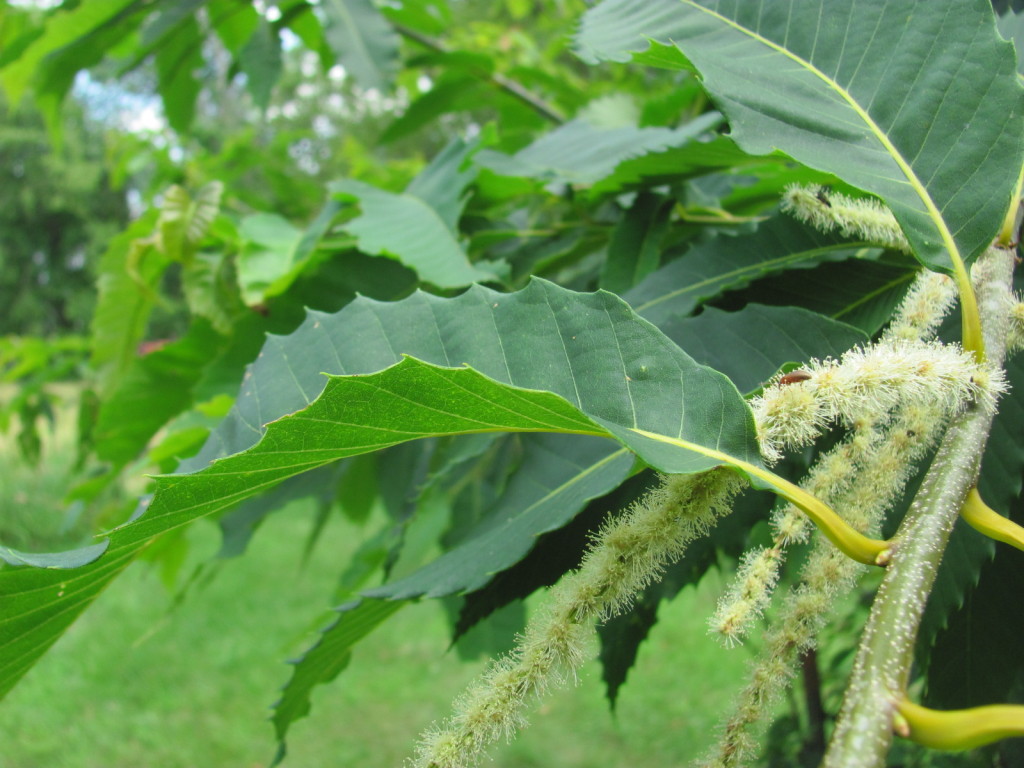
[{"x": 58, "y": 213}]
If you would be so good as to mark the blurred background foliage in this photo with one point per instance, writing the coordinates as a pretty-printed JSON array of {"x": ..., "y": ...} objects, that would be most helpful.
[{"x": 183, "y": 177}]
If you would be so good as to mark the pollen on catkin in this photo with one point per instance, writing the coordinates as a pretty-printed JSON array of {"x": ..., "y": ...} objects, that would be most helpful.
[
  {"x": 865, "y": 385},
  {"x": 1015, "y": 333},
  {"x": 626, "y": 555},
  {"x": 929, "y": 300},
  {"x": 830, "y": 476},
  {"x": 748, "y": 595},
  {"x": 895, "y": 448},
  {"x": 828, "y": 211}
]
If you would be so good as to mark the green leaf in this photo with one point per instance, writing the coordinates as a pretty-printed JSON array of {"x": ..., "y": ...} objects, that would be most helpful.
[
  {"x": 155, "y": 388},
  {"x": 177, "y": 61},
  {"x": 750, "y": 345},
  {"x": 675, "y": 164},
  {"x": 418, "y": 227},
  {"x": 325, "y": 660},
  {"x": 727, "y": 263},
  {"x": 635, "y": 248},
  {"x": 128, "y": 273},
  {"x": 897, "y": 97},
  {"x": 233, "y": 22},
  {"x": 546, "y": 359},
  {"x": 862, "y": 293},
  {"x": 185, "y": 220},
  {"x": 72, "y": 558},
  {"x": 582, "y": 153},
  {"x": 260, "y": 60},
  {"x": 63, "y": 28},
  {"x": 444, "y": 182},
  {"x": 454, "y": 92},
  {"x": 363, "y": 40},
  {"x": 408, "y": 229},
  {"x": 160, "y": 31},
  {"x": 268, "y": 253}
]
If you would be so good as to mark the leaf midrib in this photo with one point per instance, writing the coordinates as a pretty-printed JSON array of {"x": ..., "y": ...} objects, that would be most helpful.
[{"x": 873, "y": 127}]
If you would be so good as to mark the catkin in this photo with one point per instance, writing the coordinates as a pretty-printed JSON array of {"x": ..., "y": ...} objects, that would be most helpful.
[
  {"x": 627, "y": 554},
  {"x": 828, "y": 211},
  {"x": 827, "y": 574},
  {"x": 865, "y": 384}
]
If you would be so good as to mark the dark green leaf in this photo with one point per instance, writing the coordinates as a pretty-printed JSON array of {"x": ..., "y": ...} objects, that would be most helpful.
[
  {"x": 324, "y": 660},
  {"x": 750, "y": 345},
  {"x": 877, "y": 92},
  {"x": 635, "y": 248},
  {"x": 728, "y": 263},
  {"x": 582, "y": 153},
  {"x": 260, "y": 59},
  {"x": 675, "y": 164},
  {"x": 177, "y": 62},
  {"x": 363, "y": 40},
  {"x": 859, "y": 292},
  {"x": 451, "y": 94}
]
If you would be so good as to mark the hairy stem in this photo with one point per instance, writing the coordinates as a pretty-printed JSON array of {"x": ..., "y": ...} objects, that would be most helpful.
[{"x": 863, "y": 733}]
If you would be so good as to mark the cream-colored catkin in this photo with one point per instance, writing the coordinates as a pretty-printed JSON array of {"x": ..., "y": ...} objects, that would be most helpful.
[
  {"x": 750, "y": 592},
  {"x": 865, "y": 384},
  {"x": 627, "y": 554},
  {"x": 748, "y": 595},
  {"x": 929, "y": 300},
  {"x": 826, "y": 574},
  {"x": 1015, "y": 334},
  {"x": 862, "y": 218}
]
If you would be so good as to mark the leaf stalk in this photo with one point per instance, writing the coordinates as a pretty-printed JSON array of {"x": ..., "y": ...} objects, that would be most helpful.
[
  {"x": 863, "y": 733},
  {"x": 981, "y": 517},
  {"x": 959, "y": 729}
]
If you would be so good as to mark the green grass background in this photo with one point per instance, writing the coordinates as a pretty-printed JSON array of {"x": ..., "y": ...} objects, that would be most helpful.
[{"x": 141, "y": 681}]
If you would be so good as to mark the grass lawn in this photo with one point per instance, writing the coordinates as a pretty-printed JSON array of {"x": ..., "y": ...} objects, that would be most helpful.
[
  {"x": 134, "y": 685},
  {"x": 137, "y": 683}
]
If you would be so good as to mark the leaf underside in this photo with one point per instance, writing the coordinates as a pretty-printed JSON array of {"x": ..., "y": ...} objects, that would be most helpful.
[
  {"x": 916, "y": 102},
  {"x": 545, "y": 359}
]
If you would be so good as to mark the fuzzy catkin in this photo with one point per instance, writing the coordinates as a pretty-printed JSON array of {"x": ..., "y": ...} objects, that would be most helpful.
[
  {"x": 826, "y": 574},
  {"x": 929, "y": 300},
  {"x": 1015, "y": 333},
  {"x": 865, "y": 384},
  {"x": 828, "y": 211},
  {"x": 751, "y": 590},
  {"x": 627, "y": 554}
]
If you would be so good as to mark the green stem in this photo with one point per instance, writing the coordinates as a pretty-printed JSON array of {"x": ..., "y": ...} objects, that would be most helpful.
[
  {"x": 507, "y": 84},
  {"x": 848, "y": 539},
  {"x": 1008, "y": 232},
  {"x": 863, "y": 732}
]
